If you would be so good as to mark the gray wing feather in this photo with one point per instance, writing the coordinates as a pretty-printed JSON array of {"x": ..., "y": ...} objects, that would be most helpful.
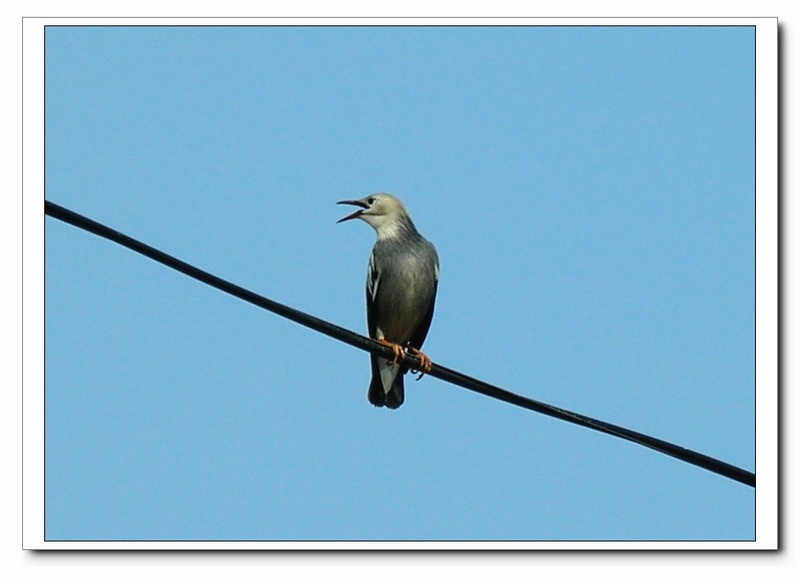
[{"x": 377, "y": 394}]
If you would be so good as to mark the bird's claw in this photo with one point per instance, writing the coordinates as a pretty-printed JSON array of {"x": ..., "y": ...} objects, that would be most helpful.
[
  {"x": 398, "y": 353},
  {"x": 425, "y": 363},
  {"x": 397, "y": 350}
]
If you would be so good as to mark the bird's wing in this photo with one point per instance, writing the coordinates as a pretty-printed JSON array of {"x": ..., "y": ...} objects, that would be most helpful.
[
  {"x": 418, "y": 337},
  {"x": 386, "y": 387},
  {"x": 373, "y": 279},
  {"x": 419, "y": 334}
]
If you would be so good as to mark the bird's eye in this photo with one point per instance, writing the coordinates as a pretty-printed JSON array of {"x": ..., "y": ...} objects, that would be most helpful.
[{"x": 371, "y": 200}]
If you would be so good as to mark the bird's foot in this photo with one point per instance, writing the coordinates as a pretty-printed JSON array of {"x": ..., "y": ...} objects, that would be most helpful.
[
  {"x": 398, "y": 351},
  {"x": 425, "y": 363}
]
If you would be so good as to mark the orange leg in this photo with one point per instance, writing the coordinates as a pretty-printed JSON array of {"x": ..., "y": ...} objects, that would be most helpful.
[
  {"x": 425, "y": 363},
  {"x": 398, "y": 351}
]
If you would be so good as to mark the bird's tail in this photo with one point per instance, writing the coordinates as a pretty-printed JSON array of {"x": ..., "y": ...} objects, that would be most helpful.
[{"x": 386, "y": 387}]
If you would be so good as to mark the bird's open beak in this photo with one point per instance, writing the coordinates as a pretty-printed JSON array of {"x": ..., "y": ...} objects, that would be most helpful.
[{"x": 355, "y": 215}]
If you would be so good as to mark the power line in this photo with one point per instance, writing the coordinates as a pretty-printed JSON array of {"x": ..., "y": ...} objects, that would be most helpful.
[{"x": 367, "y": 344}]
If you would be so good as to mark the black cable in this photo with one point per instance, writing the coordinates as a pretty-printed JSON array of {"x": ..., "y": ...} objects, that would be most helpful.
[{"x": 367, "y": 344}]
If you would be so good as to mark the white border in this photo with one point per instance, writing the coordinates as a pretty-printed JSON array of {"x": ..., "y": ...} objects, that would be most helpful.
[
  {"x": 33, "y": 285},
  {"x": 766, "y": 285}
]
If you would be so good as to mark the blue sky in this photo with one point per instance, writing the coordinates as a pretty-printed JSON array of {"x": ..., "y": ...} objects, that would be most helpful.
[{"x": 590, "y": 191}]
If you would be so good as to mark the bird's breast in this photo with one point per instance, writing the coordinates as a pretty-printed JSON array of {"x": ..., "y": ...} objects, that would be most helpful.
[{"x": 403, "y": 297}]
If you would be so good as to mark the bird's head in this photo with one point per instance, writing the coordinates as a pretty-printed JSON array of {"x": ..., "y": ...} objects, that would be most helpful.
[{"x": 380, "y": 210}]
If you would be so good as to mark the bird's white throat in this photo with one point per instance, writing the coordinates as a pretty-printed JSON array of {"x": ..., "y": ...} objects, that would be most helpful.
[{"x": 387, "y": 227}]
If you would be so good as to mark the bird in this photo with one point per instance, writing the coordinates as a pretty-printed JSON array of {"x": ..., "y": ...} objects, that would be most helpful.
[{"x": 402, "y": 280}]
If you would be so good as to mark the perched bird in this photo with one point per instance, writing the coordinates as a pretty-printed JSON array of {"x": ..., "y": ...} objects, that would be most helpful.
[{"x": 402, "y": 278}]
